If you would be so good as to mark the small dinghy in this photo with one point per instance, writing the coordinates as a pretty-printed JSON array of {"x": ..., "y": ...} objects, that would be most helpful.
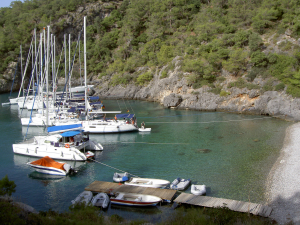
[
  {"x": 180, "y": 184},
  {"x": 198, "y": 189},
  {"x": 49, "y": 166},
  {"x": 132, "y": 199},
  {"x": 120, "y": 177},
  {"x": 144, "y": 129},
  {"x": 147, "y": 182},
  {"x": 100, "y": 200},
  {"x": 84, "y": 197}
]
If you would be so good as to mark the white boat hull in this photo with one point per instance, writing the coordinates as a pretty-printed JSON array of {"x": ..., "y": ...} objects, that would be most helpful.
[
  {"x": 49, "y": 170},
  {"x": 84, "y": 197},
  {"x": 198, "y": 189},
  {"x": 100, "y": 200},
  {"x": 94, "y": 126},
  {"x": 148, "y": 182},
  {"x": 41, "y": 151},
  {"x": 144, "y": 129},
  {"x": 131, "y": 199}
]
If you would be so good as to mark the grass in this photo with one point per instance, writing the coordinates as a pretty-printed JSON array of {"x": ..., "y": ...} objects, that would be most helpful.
[{"x": 81, "y": 215}]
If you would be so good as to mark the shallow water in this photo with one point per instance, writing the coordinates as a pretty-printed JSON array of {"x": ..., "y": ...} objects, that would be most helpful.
[{"x": 231, "y": 154}]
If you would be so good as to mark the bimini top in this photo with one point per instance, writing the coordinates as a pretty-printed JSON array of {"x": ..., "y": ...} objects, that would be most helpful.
[
  {"x": 125, "y": 115},
  {"x": 70, "y": 133},
  {"x": 48, "y": 162},
  {"x": 61, "y": 128}
]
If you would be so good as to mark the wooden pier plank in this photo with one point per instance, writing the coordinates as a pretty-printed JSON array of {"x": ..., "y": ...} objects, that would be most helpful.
[
  {"x": 107, "y": 187},
  {"x": 206, "y": 201}
]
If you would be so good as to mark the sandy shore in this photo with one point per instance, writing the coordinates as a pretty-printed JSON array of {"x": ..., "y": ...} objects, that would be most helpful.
[{"x": 283, "y": 185}]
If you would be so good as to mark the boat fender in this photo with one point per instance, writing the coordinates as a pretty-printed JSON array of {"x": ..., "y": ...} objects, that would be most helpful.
[
  {"x": 62, "y": 154},
  {"x": 67, "y": 145},
  {"x": 27, "y": 150},
  {"x": 36, "y": 150}
]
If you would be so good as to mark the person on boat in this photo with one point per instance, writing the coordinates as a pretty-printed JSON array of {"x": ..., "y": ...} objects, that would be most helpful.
[
  {"x": 143, "y": 125},
  {"x": 116, "y": 119}
]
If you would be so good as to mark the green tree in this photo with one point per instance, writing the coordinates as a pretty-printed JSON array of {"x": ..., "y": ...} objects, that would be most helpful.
[{"x": 7, "y": 187}]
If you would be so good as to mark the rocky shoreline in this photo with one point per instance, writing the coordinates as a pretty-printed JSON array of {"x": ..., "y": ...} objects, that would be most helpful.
[
  {"x": 283, "y": 184},
  {"x": 175, "y": 92}
]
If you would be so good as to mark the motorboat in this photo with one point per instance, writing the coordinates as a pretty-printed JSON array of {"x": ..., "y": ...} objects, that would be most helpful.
[
  {"x": 180, "y": 184},
  {"x": 120, "y": 177},
  {"x": 131, "y": 199},
  {"x": 83, "y": 198},
  {"x": 147, "y": 182},
  {"x": 49, "y": 166},
  {"x": 70, "y": 145},
  {"x": 100, "y": 200},
  {"x": 198, "y": 189}
]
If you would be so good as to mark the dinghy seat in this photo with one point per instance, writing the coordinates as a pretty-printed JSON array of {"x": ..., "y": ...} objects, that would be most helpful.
[
  {"x": 120, "y": 196},
  {"x": 138, "y": 199}
]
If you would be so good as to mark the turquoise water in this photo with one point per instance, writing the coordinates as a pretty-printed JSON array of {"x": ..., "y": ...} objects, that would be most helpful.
[{"x": 230, "y": 153}]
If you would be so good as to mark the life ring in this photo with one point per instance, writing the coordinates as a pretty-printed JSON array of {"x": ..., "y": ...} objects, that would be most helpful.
[{"x": 67, "y": 145}]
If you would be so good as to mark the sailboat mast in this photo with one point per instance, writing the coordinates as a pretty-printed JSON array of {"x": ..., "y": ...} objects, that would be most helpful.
[
  {"x": 85, "y": 73},
  {"x": 47, "y": 86},
  {"x": 70, "y": 64}
]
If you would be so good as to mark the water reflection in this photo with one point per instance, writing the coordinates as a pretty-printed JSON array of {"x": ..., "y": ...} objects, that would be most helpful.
[{"x": 46, "y": 179}]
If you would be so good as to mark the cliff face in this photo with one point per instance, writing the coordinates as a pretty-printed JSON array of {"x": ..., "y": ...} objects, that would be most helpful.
[{"x": 175, "y": 92}]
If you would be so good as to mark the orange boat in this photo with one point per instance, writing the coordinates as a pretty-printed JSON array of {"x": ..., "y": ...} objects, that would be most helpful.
[{"x": 49, "y": 166}]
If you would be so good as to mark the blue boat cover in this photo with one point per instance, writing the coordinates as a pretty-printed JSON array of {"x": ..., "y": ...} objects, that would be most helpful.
[
  {"x": 70, "y": 133},
  {"x": 125, "y": 115},
  {"x": 95, "y": 103},
  {"x": 63, "y": 127},
  {"x": 72, "y": 109},
  {"x": 93, "y": 98}
]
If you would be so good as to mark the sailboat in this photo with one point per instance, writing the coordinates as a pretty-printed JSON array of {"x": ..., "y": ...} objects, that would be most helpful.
[{"x": 65, "y": 146}]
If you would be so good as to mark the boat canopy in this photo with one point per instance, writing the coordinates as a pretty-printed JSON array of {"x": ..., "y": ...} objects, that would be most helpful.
[
  {"x": 93, "y": 98},
  {"x": 125, "y": 115},
  {"x": 53, "y": 138},
  {"x": 70, "y": 133},
  {"x": 48, "y": 162},
  {"x": 62, "y": 128}
]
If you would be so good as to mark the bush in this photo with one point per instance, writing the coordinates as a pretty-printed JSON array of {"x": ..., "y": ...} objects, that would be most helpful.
[
  {"x": 164, "y": 74},
  {"x": 240, "y": 83},
  {"x": 7, "y": 187},
  {"x": 293, "y": 91},
  {"x": 224, "y": 93},
  {"x": 144, "y": 78},
  {"x": 259, "y": 59},
  {"x": 279, "y": 87}
]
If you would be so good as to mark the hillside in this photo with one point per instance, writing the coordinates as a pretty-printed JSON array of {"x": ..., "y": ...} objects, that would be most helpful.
[{"x": 230, "y": 55}]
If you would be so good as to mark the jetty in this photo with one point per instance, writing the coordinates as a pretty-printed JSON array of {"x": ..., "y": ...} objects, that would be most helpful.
[
  {"x": 110, "y": 187},
  {"x": 239, "y": 206},
  {"x": 185, "y": 198}
]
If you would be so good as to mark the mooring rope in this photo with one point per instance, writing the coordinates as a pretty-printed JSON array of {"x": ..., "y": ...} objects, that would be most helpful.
[
  {"x": 215, "y": 121},
  {"x": 112, "y": 167},
  {"x": 153, "y": 143}
]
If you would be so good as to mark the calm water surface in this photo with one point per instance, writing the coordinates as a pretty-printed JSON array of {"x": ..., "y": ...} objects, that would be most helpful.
[{"x": 230, "y": 153}]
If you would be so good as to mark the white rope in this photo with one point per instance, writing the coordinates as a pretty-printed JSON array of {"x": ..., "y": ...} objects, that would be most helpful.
[
  {"x": 227, "y": 121},
  {"x": 152, "y": 143},
  {"x": 112, "y": 167}
]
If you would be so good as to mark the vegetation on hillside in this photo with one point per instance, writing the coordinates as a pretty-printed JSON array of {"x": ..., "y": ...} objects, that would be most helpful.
[{"x": 242, "y": 37}]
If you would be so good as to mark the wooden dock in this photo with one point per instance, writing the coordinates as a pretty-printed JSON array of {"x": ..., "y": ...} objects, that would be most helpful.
[
  {"x": 239, "y": 206},
  {"x": 107, "y": 187}
]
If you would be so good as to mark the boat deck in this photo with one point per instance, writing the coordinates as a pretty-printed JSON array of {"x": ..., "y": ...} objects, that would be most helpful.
[
  {"x": 239, "y": 206},
  {"x": 102, "y": 186}
]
